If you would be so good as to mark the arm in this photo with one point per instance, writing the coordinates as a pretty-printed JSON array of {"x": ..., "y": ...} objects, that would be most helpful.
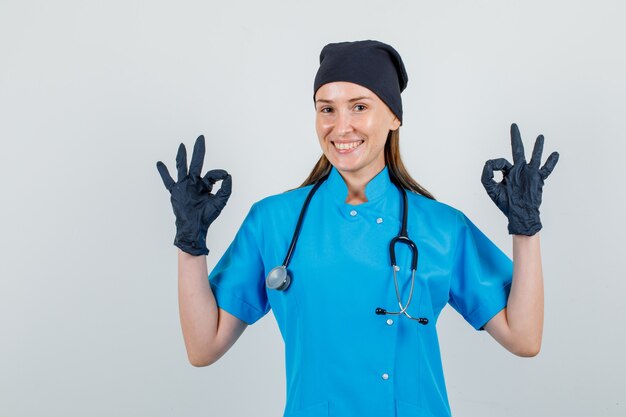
[
  {"x": 208, "y": 330},
  {"x": 519, "y": 326}
]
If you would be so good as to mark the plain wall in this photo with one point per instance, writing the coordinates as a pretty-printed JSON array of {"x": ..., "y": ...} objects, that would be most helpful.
[{"x": 92, "y": 94}]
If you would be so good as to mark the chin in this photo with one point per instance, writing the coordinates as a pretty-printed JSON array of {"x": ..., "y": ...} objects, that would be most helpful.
[
  {"x": 348, "y": 168},
  {"x": 342, "y": 166},
  {"x": 345, "y": 163}
]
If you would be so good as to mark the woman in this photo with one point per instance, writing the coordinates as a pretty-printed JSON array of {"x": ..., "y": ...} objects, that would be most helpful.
[{"x": 350, "y": 351}]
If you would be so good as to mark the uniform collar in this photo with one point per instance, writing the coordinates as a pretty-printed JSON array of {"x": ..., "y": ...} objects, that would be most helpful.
[{"x": 373, "y": 190}]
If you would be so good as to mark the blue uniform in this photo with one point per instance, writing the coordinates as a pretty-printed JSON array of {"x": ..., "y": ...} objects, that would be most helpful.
[{"x": 343, "y": 360}]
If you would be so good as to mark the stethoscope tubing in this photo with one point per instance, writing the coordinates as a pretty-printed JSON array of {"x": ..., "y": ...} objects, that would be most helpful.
[
  {"x": 279, "y": 278},
  {"x": 296, "y": 232}
]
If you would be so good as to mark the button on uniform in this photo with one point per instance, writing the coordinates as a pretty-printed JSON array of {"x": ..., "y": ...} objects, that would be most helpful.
[
  {"x": 385, "y": 376},
  {"x": 379, "y": 220},
  {"x": 353, "y": 213},
  {"x": 390, "y": 321}
]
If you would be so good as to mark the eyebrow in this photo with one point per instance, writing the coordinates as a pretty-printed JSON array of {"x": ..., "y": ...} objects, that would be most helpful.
[{"x": 321, "y": 100}]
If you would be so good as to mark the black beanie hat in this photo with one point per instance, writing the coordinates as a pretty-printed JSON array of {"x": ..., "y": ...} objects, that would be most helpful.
[{"x": 372, "y": 64}]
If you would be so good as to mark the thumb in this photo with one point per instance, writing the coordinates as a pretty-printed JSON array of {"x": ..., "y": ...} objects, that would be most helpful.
[{"x": 500, "y": 164}]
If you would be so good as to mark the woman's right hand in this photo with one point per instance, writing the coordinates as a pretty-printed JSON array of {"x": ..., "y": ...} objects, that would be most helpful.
[{"x": 194, "y": 206}]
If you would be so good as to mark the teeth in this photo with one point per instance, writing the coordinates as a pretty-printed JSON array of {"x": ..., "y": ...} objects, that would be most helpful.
[{"x": 351, "y": 145}]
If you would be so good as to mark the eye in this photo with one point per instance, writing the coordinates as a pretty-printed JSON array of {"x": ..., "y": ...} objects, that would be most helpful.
[
  {"x": 326, "y": 110},
  {"x": 360, "y": 107}
]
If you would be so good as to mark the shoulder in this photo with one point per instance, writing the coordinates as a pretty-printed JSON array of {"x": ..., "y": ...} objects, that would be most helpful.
[
  {"x": 439, "y": 217},
  {"x": 272, "y": 213},
  {"x": 436, "y": 211},
  {"x": 278, "y": 204}
]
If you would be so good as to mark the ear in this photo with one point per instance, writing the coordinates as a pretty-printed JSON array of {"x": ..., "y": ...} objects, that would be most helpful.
[{"x": 395, "y": 123}]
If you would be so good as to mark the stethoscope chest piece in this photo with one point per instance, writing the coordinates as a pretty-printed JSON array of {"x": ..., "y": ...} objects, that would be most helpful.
[{"x": 278, "y": 278}]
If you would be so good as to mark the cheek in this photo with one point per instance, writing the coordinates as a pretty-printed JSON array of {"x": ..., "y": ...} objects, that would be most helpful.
[
  {"x": 322, "y": 127},
  {"x": 384, "y": 123},
  {"x": 370, "y": 124},
  {"x": 376, "y": 128}
]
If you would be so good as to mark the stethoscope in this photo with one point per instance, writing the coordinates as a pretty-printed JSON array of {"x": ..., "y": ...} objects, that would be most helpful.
[{"x": 279, "y": 278}]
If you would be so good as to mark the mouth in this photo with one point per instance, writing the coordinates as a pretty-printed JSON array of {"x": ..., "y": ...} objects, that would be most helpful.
[{"x": 347, "y": 146}]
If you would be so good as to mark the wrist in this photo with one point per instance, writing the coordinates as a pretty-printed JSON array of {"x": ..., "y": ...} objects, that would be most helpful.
[
  {"x": 191, "y": 241},
  {"x": 526, "y": 228},
  {"x": 182, "y": 255},
  {"x": 192, "y": 248}
]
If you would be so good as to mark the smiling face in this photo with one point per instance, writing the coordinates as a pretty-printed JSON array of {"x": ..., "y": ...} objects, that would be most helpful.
[{"x": 352, "y": 125}]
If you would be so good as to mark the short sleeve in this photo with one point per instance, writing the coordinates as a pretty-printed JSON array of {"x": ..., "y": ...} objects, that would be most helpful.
[
  {"x": 481, "y": 275},
  {"x": 238, "y": 281}
]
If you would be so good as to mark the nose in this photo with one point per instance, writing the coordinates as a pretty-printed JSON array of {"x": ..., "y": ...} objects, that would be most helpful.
[{"x": 343, "y": 124}]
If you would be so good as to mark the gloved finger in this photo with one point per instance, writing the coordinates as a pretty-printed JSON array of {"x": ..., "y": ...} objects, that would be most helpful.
[
  {"x": 537, "y": 151},
  {"x": 499, "y": 164},
  {"x": 549, "y": 165},
  {"x": 197, "y": 158},
  {"x": 223, "y": 193},
  {"x": 492, "y": 165},
  {"x": 517, "y": 146},
  {"x": 165, "y": 175},
  {"x": 181, "y": 162},
  {"x": 211, "y": 177}
]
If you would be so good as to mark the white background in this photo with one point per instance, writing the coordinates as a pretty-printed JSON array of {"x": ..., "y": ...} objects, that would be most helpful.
[{"x": 92, "y": 94}]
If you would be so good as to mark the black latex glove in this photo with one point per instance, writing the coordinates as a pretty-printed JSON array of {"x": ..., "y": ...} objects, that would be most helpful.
[
  {"x": 518, "y": 195},
  {"x": 194, "y": 205}
]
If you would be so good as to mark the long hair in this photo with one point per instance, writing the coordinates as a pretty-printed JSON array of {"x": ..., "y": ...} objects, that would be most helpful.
[{"x": 397, "y": 170}]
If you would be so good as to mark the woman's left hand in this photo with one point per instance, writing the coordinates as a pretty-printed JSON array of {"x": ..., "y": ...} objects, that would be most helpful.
[{"x": 518, "y": 195}]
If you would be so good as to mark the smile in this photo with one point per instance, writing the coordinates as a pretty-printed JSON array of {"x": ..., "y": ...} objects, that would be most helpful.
[{"x": 347, "y": 145}]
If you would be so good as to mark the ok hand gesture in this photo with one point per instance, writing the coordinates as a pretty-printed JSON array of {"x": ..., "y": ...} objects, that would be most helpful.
[
  {"x": 518, "y": 195},
  {"x": 194, "y": 206}
]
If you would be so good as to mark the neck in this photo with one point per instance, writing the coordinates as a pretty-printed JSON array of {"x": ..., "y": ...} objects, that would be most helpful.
[
  {"x": 356, "y": 183},
  {"x": 356, "y": 191}
]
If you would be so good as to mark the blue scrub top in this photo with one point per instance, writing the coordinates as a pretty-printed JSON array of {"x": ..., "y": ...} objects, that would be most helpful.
[{"x": 343, "y": 360}]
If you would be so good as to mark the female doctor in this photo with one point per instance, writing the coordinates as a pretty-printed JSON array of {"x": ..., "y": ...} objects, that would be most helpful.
[{"x": 357, "y": 263}]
